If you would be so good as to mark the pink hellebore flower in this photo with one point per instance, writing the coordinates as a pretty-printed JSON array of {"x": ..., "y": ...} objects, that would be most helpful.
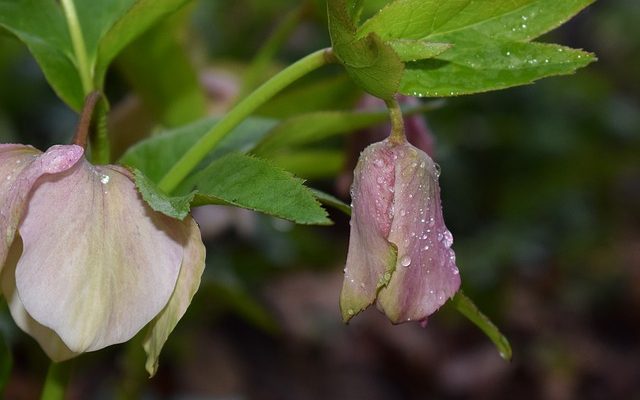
[
  {"x": 400, "y": 252},
  {"x": 85, "y": 263}
]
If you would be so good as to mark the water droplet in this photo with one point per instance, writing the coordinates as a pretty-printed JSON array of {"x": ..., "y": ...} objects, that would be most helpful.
[
  {"x": 350, "y": 311},
  {"x": 524, "y": 26},
  {"x": 448, "y": 238},
  {"x": 524, "y": 17},
  {"x": 455, "y": 271},
  {"x": 378, "y": 162},
  {"x": 426, "y": 247},
  {"x": 104, "y": 179},
  {"x": 508, "y": 53},
  {"x": 422, "y": 164},
  {"x": 437, "y": 169},
  {"x": 440, "y": 237},
  {"x": 8, "y": 177},
  {"x": 405, "y": 261}
]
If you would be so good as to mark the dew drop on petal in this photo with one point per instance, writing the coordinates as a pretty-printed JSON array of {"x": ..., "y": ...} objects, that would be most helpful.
[
  {"x": 405, "y": 261},
  {"x": 104, "y": 179}
]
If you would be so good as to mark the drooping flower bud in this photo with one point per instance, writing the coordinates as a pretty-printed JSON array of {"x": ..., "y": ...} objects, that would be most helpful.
[{"x": 400, "y": 252}]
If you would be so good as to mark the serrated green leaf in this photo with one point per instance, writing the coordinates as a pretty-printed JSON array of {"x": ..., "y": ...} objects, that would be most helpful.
[
  {"x": 413, "y": 50},
  {"x": 177, "y": 207},
  {"x": 372, "y": 64},
  {"x": 488, "y": 66},
  {"x": 255, "y": 184},
  {"x": 173, "y": 92},
  {"x": 467, "y": 308},
  {"x": 156, "y": 155}
]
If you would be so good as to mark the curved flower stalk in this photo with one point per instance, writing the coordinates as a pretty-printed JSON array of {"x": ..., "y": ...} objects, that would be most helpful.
[
  {"x": 400, "y": 252},
  {"x": 85, "y": 262}
]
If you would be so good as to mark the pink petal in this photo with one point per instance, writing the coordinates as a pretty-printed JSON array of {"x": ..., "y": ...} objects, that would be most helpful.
[
  {"x": 98, "y": 264},
  {"x": 426, "y": 274},
  {"x": 187, "y": 285},
  {"x": 371, "y": 257},
  {"x": 48, "y": 339},
  {"x": 20, "y": 168}
]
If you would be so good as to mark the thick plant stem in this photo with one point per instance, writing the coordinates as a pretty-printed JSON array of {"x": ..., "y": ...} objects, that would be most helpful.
[
  {"x": 397, "y": 122},
  {"x": 239, "y": 113},
  {"x": 56, "y": 381},
  {"x": 82, "y": 130},
  {"x": 79, "y": 47}
]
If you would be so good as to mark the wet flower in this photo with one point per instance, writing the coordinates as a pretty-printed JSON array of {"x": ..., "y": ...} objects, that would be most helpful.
[
  {"x": 400, "y": 252},
  {"x": 85, "y": 262}
]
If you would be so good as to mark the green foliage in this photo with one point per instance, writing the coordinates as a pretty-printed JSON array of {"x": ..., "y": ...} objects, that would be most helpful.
[
  {"x": 248, "y": 182},
  {"x": 158, "y": 68},
  {"x": 174, "y": 206},
  {"x": 107, "y": 27},
  {"x": 371, "y": 63},
  {"x": 155, "y": 156},
  {"x": 468, "y": 46}
]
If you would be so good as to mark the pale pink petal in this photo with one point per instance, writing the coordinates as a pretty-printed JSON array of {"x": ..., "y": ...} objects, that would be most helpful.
[
  {"x": 371, "y": 258},
  {"x": 426, "y": 275},
  {"x": 187, "y": 285},
  {"x": 20, "y": 168},
  {"x": 98, "y": 264},
  {"x": 48, "y": 339}
]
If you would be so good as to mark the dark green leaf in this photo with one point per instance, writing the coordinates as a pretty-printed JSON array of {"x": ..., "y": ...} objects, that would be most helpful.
[
  {"x": 41, "y": 26},
  {"x": 175, "y": 207},
  {"x": 155, "y": 156},
  {"x": 412, "y": 50},
  {"x": 255, "y": 184},
  {"x": 157, "y": 66},
  {"x": 467, "y": 308},
  {"x": 488, "y": 66}
]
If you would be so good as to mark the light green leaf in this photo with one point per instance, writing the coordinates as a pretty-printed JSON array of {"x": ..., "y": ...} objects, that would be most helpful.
[
  {"x": 372, "y": 64},
  {"x": 413, "y": 50},
  {"x": 158, "y": 68},
  {"x": 155, "y": 155},
  {"x": 488, "y": 66},
  {"x": 177, "y": 207},
  {"x": 255, "y": 184},
  {"x": 467, "y": 308}
]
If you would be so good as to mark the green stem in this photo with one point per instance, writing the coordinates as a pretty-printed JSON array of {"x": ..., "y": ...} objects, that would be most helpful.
[
  {"x": 79, "y": 48},
  {"x": 56, "y": 381},
  {"x": 397, "y": 122},
  {"x": 100, "y": 148},
  {"x": 239, "y": 113}
]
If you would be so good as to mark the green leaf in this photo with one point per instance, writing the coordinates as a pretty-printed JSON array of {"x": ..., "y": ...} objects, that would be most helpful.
[
  {"x": 489, "y": 66},
  {"x": 412, "y": 50},
  {"x": 41, "y": 26},
  {"x": 6, "y": 362},
  {"x": 467, "y": 308},
  {"x": 314, "y": 127},
  {"x": 155, "y": 155},
  {"x": 255, "y": 184},
  {"x": 171, "y": 92},
  {"x": 372, "y": 64},
  {"x": 488, "y": 38},
  {"x": 174, "y": 206},
  {"x": 107, "y": 26},
  {"x": 134, "y": 18}
]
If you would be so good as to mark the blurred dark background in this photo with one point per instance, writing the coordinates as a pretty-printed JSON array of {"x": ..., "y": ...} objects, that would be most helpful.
[{"x": 541, "y": 189}]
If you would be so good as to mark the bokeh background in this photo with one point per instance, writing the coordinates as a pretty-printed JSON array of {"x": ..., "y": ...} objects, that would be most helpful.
[{"x": 540, "y": 185}]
